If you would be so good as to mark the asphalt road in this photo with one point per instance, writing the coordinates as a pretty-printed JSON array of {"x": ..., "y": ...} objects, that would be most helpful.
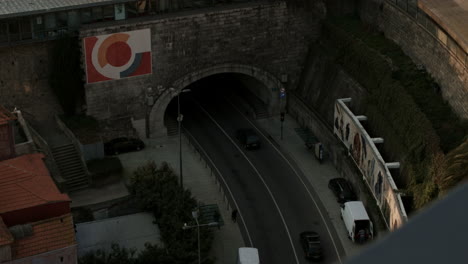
[{"x": 275, "y": 204}]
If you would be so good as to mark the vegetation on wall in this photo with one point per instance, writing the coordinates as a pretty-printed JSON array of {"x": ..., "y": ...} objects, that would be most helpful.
[
  {"x": 157, "y": 190},
  {"x": 403, "y": 106},
  {"x": 66, "y": 78}
]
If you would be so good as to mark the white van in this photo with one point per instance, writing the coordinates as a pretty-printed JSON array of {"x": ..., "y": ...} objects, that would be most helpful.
[
  {"x": 357, "y": 222},
  {"x": 248, "y": 255}
]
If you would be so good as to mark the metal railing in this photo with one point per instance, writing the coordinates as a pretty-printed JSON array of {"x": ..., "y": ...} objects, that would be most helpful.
[
  {"x": 162, "y": 7},
  {"x": 228, "y": 197}
]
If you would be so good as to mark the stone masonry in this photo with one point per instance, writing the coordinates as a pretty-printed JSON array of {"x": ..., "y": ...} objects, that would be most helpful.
[
  {"x": 258, "y": 39},
  {"x": 423, "y": 48}
]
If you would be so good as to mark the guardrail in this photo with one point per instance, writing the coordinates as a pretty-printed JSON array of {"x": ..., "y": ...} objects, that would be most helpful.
[{"x": 203, "y": 156}]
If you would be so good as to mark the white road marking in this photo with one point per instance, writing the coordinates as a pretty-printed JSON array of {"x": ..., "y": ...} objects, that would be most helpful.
[
  {"x": 261, "y": 178},
  {"x": 297, "y": 174},
  {"x": 227, "y": 186}
]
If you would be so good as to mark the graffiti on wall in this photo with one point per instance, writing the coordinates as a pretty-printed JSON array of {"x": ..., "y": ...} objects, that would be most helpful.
[
  {"x": 368, "y": 159},
  {"x": 116, "y": 56}
]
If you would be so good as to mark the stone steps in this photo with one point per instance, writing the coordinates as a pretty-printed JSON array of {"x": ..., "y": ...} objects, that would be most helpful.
[{"x": 71, "y": 167}]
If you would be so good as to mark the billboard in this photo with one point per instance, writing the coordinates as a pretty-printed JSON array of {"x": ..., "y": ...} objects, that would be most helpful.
[
  {"x": 116, "y": 56},
  {"x": 371, "y": 164}
]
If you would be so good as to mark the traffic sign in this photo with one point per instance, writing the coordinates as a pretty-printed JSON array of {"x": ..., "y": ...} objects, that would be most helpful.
[{"x": 282, "y": 92}]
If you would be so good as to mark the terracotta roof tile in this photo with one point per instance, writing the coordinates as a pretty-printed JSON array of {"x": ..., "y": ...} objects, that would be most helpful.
[
  {"x": 5, "y": 235},
  {"x": 25, "y": 182},
  {"x": 50, "y": 234},
  {"x": 5, "y": 116}
]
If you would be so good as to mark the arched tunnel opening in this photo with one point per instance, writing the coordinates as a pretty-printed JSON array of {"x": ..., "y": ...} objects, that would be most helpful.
[{"x": 246, "y": 93}]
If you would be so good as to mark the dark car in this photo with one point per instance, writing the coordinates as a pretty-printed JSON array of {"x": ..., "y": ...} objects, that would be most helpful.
[
  {"x": 311, "y": 244},
  {"x": 248, "y": 138},
  {"x": 342, "y": 190},
  {"x": 122, "y": 145}
]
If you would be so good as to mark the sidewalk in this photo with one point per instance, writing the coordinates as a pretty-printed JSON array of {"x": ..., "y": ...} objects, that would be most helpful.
[
  {"x": 317, "y": 174},
  {"x": 202, "y": 184},
  {"x": 198, "y": 179}
]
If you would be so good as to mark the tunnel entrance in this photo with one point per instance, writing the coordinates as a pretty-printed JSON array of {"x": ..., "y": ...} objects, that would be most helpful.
[
  {"x": 248, "y": 94},
  {"x": 254, "y": 91}
]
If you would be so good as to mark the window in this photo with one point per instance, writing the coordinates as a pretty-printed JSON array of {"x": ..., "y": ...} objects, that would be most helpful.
[
  {"x": 3, "y": 32},
  {"x": 62, "y": 20},
  {"x": 119, "y": 11},
  {"x": 50, "y": 22},
  {"x": 97, "y": 13},
  {"x": 73, "y": 19},
  {"x": 14, "y": 31},
  {"x": 38, "y": 26},
  {"x": 109, "y": 12},
  {"x": 25, "y": 28},
  {"x": 131, "y": 10},
  {"x": 86, "y": 16}
]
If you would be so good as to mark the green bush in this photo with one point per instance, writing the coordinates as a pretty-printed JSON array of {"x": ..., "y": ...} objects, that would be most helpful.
[{"x": 158, "y": 190}]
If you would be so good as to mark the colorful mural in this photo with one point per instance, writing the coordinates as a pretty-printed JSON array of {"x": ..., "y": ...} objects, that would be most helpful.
[
  {"x": 367, "y": 158},
  {"x": 117, "y": 56}
]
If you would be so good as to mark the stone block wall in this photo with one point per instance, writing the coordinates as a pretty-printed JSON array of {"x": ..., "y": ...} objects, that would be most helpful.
[
  {"x": 24, "y": 73},
  {"x": 266, "y": 36},
  {"x": 428, "y": 48}
]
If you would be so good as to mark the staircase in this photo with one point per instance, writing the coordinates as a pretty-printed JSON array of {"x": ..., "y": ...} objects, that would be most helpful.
[
  {"x": 70, "y": 166},
  {"x": 172, "y": 126}
]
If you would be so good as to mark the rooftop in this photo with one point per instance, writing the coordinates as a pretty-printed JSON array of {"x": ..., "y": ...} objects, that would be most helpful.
[
  {"x": 25, "y": 182},
  {"x": 14, "y": 8},
  {"x": 451, "y": 16},
  {"x": 5, "y": 116},
  {"x": 48, "y": 235}
]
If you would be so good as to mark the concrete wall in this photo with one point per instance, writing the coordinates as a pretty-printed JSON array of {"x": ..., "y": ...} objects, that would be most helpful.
[{"x": 265, "y": 39}]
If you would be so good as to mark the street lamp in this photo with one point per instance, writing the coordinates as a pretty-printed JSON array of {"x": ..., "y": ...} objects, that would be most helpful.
[
  {"x": 179, "y": 120},
  {"x": 185, "y": 227}
]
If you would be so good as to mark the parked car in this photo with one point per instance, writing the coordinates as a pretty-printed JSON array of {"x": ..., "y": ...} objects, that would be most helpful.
[
  {"x": 342, "y": 190},
  {"x": 357, "y": 222},
  {"x": 122, "y": 145},
  {"x": 248, "y": 138},
  {"x": 311, "y": 244}
]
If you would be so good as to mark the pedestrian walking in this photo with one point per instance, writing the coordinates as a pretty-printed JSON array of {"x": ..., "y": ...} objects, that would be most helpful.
[{"x": 234, "y": 215}]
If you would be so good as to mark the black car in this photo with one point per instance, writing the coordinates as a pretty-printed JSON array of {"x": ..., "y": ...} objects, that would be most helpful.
[
  {"x": 122, "y": 144},
  {"x": 248, "y": 138},
  {"x": 342, "y": 190},
  {"x": 311, "y": 244}
]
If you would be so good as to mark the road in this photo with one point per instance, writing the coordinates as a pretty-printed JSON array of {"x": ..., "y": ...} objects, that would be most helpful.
[{"x": 275, "y": 203}]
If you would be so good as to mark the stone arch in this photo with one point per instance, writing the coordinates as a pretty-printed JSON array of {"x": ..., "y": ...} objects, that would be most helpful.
[{"x": 156, "y": 118}]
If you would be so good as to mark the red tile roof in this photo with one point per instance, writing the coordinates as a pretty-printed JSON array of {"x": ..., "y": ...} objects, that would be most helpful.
[
  {"x": 25, "y": 182},
  {"x": 51, "y": 234},
  {"x": 5, "y": 235},
  {"x": 5, "y": 116}
]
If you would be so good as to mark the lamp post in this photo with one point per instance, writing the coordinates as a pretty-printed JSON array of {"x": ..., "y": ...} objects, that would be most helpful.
[
  {"x": 179, "y": 120},
  {"x": 185, "y": 227}
]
